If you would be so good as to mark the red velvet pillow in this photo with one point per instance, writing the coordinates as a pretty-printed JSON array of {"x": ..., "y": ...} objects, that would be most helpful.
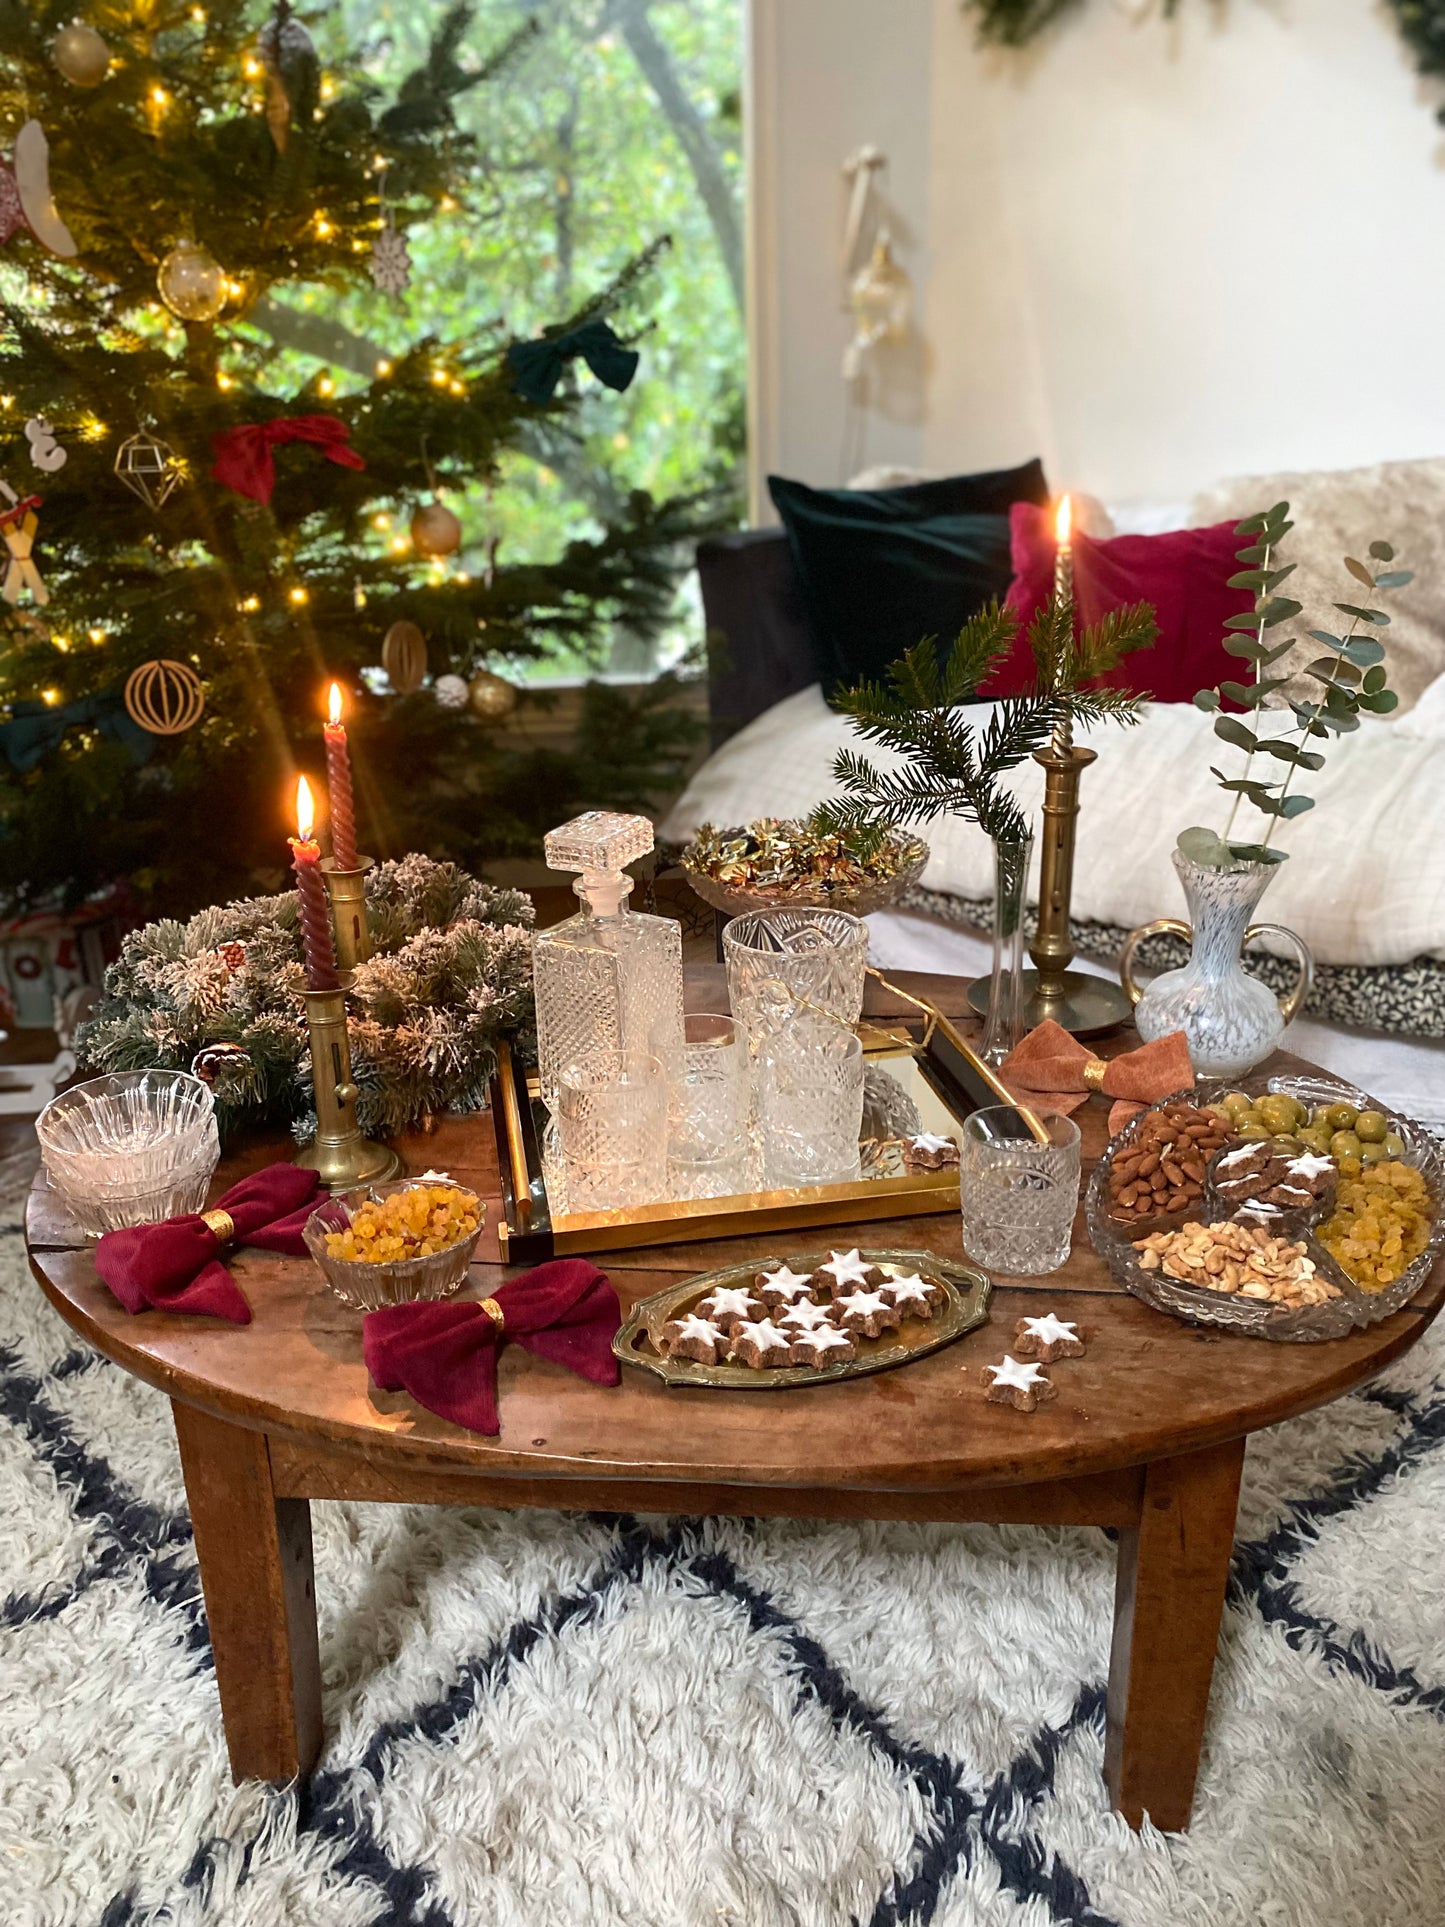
[{"x": 1183, "y": 574}]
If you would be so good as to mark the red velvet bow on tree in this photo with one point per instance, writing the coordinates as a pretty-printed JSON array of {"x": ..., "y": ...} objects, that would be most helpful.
[
  {"x": 174, "y": 1267},
  {"x": 243, "y": 455},
  {"x": 445, "y": 1354}
]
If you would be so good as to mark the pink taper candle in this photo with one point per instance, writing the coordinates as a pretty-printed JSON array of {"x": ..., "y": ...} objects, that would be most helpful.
[
  {"x": 338, "y": 784},
  {"x": 315, "y": 904}
]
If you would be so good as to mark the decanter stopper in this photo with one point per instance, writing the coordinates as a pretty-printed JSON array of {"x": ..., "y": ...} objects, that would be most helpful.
[{"x": 599, "y": 843}]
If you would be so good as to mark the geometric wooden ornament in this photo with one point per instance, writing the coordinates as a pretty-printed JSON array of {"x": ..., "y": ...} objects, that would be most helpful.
[
  {"x": 403, "y": 657},
  {"x": 164, "y": 697}
]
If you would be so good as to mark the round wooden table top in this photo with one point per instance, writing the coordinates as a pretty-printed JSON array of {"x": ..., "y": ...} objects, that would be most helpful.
[{"x": 1148, "y": 1386}]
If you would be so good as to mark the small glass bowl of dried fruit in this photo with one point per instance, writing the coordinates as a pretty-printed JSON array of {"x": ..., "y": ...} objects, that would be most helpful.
[{"x": 385, "y": 1244}]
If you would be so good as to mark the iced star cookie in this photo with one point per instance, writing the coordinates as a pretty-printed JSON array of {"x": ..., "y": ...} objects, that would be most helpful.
[
  {"x": 782, "y": 1287},
  {"x": 693, "y": 1337},
  {"x": 825, "y": 1346},
  {"x": 729, "y": 1306},
  {"x": 1047, "y": 1338},
  {"x": 929, "y": 1152},
  {"x": 913, "y": 1296},
  {"x": 847, "y": 1271},
  {"x": 1022, "y": 1386},
  {"x": 758, "y": 1342},
  {"x": 806, "y": 1316},
  {"x": 868, "y": 1312}
]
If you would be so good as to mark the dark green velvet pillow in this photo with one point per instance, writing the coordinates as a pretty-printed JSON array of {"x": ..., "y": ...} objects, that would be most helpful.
[{"x": 879, "y": 569}]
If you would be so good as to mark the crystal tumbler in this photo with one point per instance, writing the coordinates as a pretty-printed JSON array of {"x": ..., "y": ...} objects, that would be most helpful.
[
  {"x": 612, "y": 1129},
  {"x": 1018, "y": 1195},
  {"x": 707, "y": 1108},
  {"x": 781, "y": 961},
  {"x": 808, "y": 1090}
]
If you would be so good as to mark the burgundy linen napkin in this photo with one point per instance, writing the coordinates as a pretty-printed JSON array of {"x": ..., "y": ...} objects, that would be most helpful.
[
  {"x": 174, "y": 1267},
  {"x": 445, "y": 1352}
]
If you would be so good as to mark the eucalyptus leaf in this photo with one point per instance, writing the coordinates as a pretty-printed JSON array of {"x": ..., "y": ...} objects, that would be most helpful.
[
  {"x": 1364, "y": 652},
  {"x": 1258, "y": 793},
  {"x": 1375, "y": 680},
  {"x": 1380, "y": 702},
  {"x": 1276, "y": 576},
  {"x": 1382, "y": 551},
  {"x": 1256, "y": 853},
  {"x": 1324, "y": 636},
  {"x": 1207, "y": 699},
  {"x": 1255, "y": 579},
  {"x": 1204, "y": 847},
  {"x": 1277, "y": 608},
  {"x": 1249, "y": 647},
  {"x": 1376, "y": 617},
  {"x": 1394, "y": 579},
  {"x": 1279, "y": 650},
  {"x": 1288, "y": 752},
  {"x": 1295, "y": 805},
  {"x": 1252, "y": 524},
  {"x": 1242, "y": 621},
  {"x": 1229, "y": 730},
  {"x": 1359, "y": 572}
]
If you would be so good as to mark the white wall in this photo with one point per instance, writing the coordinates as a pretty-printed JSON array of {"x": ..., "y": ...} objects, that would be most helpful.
[{"x": 1156, "y": 253}]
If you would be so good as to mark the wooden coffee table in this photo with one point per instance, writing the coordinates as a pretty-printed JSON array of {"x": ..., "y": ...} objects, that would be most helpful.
[{"x": 1147, "y": 1436}]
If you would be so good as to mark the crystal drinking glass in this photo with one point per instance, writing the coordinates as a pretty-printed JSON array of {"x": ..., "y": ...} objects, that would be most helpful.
[
  {"x": 132, "y": 1148},
  {"x": 707, "y": 1108},
  {"x": 612, "y": 1129},
  {"x": 1018, "y": 1195},
  {"x": 779, "y": 961},
  {"x": 808, "y": 1090}
]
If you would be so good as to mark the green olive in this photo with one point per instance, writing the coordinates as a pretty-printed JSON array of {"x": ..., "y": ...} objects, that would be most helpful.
[
  {"x": 1237, "y": 1102},
  {"x": 1370, "y": 1127},
  {"x": 1253, "y": 1132},
  {"x": 1341, "y": 1117},
  {"x": 1316, "y": 1139},
  {"x": 1287, "y": 1144},
  {"x": 1344, "y": 1144},
  {"x": 1394, "y": 1144},
  {"x": 1374, "y": 1154}
]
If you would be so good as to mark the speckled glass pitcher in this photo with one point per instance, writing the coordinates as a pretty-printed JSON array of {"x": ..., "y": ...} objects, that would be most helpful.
[{"x": 1232, "y": 1020}]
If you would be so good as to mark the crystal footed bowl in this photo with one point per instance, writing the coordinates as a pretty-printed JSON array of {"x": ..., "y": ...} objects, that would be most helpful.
[
  {"x": 132, "y": 1148},
  {"x": 367, "y": 1287},
  {"x": 1310, "y": 1323},
  {"x": 858, "y": 899}
]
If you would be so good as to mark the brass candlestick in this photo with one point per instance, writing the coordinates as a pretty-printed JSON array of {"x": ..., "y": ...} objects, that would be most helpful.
[
  {"x": 339, "y": 1152},
  {"x": 348, "y": 911},
  {"x": 1082, "y": 1003}
]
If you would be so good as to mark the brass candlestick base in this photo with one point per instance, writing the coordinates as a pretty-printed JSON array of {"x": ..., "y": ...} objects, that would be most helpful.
[
  {"x": 339, "y": 1152},
  {"x": 348, "y": 911},
  {"x": 1081, "y": 1003}
]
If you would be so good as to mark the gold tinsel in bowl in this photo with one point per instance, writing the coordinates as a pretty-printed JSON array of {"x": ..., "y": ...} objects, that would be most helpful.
[{"x": 780, "y": 860}]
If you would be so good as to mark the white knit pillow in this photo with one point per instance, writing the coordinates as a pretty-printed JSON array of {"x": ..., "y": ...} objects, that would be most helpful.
[{"x": 1340, "y": 512}]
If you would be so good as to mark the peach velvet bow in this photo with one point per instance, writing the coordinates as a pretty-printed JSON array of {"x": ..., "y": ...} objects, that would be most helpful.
[{"x": 1051, "y": 1063}]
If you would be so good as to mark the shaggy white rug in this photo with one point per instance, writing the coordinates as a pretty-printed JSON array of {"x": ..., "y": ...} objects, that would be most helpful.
[{"x": 544, "y": 1721}]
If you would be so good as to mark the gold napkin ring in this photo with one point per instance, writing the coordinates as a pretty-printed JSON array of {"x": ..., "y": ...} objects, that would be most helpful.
[
  {"x": 1094, "y": 1073},
  {"x": 494, "y": 1311},
  {"x": 221, "y": 1223}
]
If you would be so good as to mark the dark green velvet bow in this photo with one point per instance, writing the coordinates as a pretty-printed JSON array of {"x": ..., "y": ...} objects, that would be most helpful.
[
  {"x": 537, "y": 365},
  {"x": 37, "y": 728}
]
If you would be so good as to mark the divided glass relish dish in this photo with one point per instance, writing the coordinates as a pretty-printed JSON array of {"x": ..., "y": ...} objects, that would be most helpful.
[{"x": 1298, "y": 1219}]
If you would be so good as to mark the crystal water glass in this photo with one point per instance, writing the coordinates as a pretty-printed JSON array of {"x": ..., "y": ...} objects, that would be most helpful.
[
  {"x": 1018, "y": 1195},
  {"x": 782, "y": 961},
  {"x": 612, "y": 1129},
  {"x": 707, "y": 1107},
  {"x": 808, "y": 1093}
]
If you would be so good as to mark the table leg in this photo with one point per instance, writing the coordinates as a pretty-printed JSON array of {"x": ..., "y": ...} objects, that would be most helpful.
[
  {"x": 1168, "y": 1601},
  {"x": 255, "y": 1557}
]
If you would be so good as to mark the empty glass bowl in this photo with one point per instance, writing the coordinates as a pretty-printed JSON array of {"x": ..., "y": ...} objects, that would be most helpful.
[
  {"x": 135, "y": 1147},
  {"x": 367, "y": 1287}
]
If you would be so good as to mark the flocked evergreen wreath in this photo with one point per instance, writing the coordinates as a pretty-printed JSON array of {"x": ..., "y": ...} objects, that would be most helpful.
[
  {"x": 451, "y": 974},
  {"x": 1014, "y": 23}
]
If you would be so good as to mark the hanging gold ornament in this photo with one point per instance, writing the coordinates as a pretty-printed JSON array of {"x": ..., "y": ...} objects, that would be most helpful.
[
  {"x": 435, "y": 530},
  {"x": 491, "y": 696},
  {"x": 149, "y": 468},
  {"x": 881, "y": 298},
  {"x": 403, "y": 657},
  {"x": 80, "y": 55},
  {"x": 192, "y": 282},
  {"x": 164, "y": 697}
]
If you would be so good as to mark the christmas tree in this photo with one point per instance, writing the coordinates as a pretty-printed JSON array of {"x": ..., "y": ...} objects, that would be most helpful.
[{"x": 214, "y": 534}]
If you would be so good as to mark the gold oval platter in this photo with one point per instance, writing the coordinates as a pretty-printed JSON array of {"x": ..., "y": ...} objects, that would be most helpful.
[{"x": 966, "y": 1293}]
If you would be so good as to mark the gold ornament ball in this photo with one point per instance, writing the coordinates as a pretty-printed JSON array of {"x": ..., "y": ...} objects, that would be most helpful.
[
  {"x": 435, "y": 530},
  {"x": 164, "y": 697},
  {"x": 192, "y": 282},
  {"x": 80, "y": 55},
  {"x": 491, "y": 696},
  {"x": 403, "y": 657}
]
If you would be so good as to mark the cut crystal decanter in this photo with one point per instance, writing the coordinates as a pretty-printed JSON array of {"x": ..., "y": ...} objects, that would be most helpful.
[{"x": 607, "y": 978}]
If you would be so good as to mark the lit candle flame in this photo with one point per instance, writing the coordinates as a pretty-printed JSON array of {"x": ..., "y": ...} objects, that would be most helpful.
[
  {"x": 1063, "y": 521},
  {"x": 305, "y": 810},
  {"x": 334, "y": 715}
]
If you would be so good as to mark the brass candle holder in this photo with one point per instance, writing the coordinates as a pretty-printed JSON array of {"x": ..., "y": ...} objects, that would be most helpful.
[
  {"x": 352, "y": 931},
  {"x": 339, "y": 1152}
]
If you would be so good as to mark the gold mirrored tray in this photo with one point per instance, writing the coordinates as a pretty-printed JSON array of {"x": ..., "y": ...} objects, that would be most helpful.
[{"x": 966, "y": 1292}]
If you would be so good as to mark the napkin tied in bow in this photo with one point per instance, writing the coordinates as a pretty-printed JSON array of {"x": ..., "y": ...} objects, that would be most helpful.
[
  {"x": 445, "y": 1352},
  {"x": 1051, "y": 1063},
  {"x": 243, "y": 455},
  {"x": 174, "y": 1267}
]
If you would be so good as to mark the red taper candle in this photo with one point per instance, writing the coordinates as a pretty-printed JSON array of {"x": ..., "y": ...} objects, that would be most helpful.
[
  {"x": 316, "y": 942},
  {"x": 338, "y": 784}
]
